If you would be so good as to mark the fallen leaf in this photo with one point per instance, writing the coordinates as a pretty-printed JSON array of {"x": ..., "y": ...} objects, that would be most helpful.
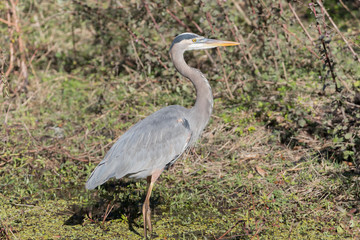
[
  {"x": 260, "y": 171},
  {"x": 348, "y": 163}
]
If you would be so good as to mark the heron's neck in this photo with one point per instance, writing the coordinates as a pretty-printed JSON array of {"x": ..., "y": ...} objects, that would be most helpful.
[{"x": 204, "y": 98}]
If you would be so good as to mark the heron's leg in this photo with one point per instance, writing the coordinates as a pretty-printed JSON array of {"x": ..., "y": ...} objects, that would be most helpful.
[{"x": 146, "y": 207}]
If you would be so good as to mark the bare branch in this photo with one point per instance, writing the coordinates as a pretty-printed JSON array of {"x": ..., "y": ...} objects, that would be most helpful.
[
  {"x": 301, "y": 24},
  {"x": 154, "y": 21},
  {"x": 347, "y": 9},
  {"x": 356, "y": 57}
]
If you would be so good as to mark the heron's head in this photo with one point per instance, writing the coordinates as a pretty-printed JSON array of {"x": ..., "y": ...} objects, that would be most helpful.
[{"x": 191, "y": 41}]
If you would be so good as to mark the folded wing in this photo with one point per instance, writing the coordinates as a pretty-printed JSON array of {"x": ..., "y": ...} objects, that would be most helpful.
[{"x": 152, "y": 144}]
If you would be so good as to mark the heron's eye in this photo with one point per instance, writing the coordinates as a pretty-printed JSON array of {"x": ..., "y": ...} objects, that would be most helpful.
[{"x": 194, "y": 40}]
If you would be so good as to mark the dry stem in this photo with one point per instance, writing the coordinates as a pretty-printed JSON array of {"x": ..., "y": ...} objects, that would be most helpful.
[
  {"x": 178, "y": 20},
  {"x": 326, "y": 51},
  {"x": 11, "y": 45},
  {"x": 23, "y": 66},
  {"x": 301, "y": 24},
  {"x": 154, "y": 21},
  {"x": 356, "y": 57}
]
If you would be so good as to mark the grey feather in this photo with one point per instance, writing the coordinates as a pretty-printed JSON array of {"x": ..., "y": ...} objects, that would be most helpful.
[{"x": 151, "y": 144}]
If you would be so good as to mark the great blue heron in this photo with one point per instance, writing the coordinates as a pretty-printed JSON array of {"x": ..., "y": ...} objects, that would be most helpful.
[{"x": 156, "y": 142}]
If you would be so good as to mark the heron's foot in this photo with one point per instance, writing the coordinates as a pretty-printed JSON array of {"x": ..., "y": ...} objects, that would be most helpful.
[{"x": 147, "y": 218}]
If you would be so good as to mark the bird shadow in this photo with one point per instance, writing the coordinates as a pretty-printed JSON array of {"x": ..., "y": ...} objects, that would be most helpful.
[{"x": 109, "y": 206}]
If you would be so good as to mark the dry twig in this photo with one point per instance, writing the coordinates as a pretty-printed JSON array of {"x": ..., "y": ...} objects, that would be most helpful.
[
  {"x": 301, "y": 24},
  {"x": 178, "y": 20},
  {"x": 326, "y": 50},
  {"x": 154, "y": 21},
  {"x": 356, "y": 57},
  {"x": 229, "y": 230},
  {"x": 347, "y": 9},
  {"x": 107, "y": 212}
]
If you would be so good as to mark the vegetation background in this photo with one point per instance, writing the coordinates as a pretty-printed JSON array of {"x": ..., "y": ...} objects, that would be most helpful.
[{"x": 279, "y": 159}]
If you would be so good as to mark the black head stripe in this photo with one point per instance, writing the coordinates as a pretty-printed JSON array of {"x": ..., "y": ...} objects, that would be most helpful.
[{"x": 183, "y": 36}]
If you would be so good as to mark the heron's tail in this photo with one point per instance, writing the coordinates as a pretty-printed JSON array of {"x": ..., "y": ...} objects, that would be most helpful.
[{"x": 99, "y": 176}]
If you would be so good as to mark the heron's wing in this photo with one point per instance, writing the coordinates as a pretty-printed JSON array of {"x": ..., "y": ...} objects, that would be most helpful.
[{"x": 149, "y": 145}]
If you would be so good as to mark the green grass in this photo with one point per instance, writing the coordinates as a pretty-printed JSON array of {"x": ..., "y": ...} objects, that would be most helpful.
[
  {"x": 200, "y": 200},
  {"x": 239, "y": 180},
  {"x": 214, "y": 189}
]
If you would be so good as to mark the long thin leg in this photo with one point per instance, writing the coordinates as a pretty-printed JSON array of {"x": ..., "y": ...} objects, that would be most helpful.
[{"x": 146, "y": 207}]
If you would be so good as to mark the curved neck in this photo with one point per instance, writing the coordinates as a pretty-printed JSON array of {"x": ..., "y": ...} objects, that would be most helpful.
[{"x": 204, "y": 98}]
